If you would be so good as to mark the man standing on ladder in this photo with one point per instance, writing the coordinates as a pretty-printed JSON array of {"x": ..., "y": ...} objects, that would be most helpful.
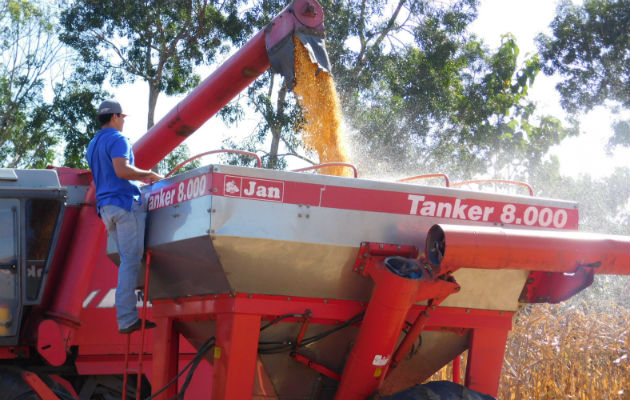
[{"x": 119, "y": 204}]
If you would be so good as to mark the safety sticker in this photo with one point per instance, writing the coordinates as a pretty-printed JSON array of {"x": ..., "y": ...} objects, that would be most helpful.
[{"x": 380, "y": 360}]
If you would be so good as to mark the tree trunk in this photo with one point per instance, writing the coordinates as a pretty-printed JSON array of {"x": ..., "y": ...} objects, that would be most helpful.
[
  {"x": 154, "y": 92},
  {"x": 276, "y": 128}
]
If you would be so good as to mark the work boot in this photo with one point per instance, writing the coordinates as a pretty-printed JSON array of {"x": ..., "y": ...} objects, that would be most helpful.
[{"x": 136, "y": 326}]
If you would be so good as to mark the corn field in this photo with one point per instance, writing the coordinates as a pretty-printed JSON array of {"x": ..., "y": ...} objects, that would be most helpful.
[{"x": 565, "y": 352}]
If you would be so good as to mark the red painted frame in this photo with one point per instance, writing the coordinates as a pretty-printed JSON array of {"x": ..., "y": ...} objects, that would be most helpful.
[{"x": 488, "y": 329}]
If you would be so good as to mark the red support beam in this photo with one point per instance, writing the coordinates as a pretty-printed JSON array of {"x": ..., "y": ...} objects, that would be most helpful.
[
  {"x": 238, "y": 324},
  {"x": 36, "y": 383},
  {"x": 200, "y": 307},
  {"x": 316, "y": 366},
  {"x": 369, "y": 359},
  {"x": 457, "y": 365},
  {"x": 235, "y": 356},
  {"x": 165, "y": 353},
  {"x": 485, "y": 359}
]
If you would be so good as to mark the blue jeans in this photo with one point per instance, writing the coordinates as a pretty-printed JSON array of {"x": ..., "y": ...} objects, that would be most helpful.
[{"x": 126, "y": 228}]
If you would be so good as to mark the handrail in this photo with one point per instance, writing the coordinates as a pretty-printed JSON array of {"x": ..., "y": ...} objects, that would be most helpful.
[
  {"x": 243, "y": 152},
  {"x": 330, "y": 164},
  {"x": 531, "y": 191},
  {"x": 413, "y": 178}
]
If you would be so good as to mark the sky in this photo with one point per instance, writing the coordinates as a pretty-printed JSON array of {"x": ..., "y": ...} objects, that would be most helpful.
[{"x": 523, "y": 18}]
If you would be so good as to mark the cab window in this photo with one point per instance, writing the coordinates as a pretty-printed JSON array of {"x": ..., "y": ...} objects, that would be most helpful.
[{"x": 9, "y": 294}]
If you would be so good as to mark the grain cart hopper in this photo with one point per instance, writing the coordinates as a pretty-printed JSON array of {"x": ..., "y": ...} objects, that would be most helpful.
[
  {"x": 234, "y": 248},
  {"x": 291, "y": 286}
]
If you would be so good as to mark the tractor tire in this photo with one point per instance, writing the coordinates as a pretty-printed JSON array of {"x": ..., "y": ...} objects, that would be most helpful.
[
  {"x": 439, "y": 390},
  {"x": 13, "y": 386}
]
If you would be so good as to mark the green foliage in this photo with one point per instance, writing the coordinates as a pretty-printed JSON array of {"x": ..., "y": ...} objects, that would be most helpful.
[
  {"x": 604, "y": 203},
  {"x": 75, "y": 118},
  {"x": 27, "y": 49},
  {"x": 159, "y": 42},
  {"x": 621, "y": 136},
  {"x": 420, "y": 91},
  {"x": 31, "y": 129},
  {"x": 441, "y": 103},
  {"x": 589, "y": 49},
  {"x": 174, "y": 158}
]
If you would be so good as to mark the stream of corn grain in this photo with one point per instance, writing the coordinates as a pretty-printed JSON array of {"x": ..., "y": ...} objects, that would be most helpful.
[{"x": 316, "y": 93}]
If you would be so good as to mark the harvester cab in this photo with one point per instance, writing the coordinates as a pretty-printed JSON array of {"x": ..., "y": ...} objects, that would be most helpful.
[{"x": 32, "y": 204}]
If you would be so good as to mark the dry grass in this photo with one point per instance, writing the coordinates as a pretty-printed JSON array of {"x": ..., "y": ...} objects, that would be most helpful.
[
  {"x": 557, "y": 352},
  {"x": 565, "y": 352}
]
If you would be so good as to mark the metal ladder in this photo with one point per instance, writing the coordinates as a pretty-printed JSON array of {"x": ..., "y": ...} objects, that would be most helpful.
[{"x": 126, "y": 370}]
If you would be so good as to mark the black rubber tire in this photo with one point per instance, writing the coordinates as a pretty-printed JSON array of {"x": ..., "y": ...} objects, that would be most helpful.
[
  {"x": 439, "y": 390},
  {"x": 13, "y": 386}
]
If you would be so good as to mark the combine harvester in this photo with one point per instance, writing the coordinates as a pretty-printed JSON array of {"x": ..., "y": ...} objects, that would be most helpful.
[{"x": 271, "y": 284}]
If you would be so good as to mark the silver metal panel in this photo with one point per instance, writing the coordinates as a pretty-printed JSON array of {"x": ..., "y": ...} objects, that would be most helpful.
[
  {"x": 31, "y": 178},
  {"x": 187, "y": 220},
  {"x": 298, "y": 250},
  {"x": 8, "y": 174},
  {"x": 76, "y": 194},
  {"x": 267, "y": 248}
]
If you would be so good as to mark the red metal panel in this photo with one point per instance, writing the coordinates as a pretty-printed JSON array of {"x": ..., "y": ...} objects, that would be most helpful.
[
  {"x": 73, "y": 176},
  {"x": 555, "y": 287},
  {"x": 67, "y": 304},
  {"x": 485, "y": 359},
  {"x": 235, "y": 356},
  {"x": 14, "y": 352},
  {"x": 200, "y": 307},
  {"x": 165, "y": 350},
  {"x": 453, "y": 207},
  {"x": 452, "y": 317}
]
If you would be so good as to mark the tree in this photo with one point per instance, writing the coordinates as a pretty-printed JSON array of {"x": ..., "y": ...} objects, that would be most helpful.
[
  {"x": 28, "y": 49},
  {"x": 420, "y": 92},
  {"x": 269, "y": 97},
  {"x": 174, "y": 158},
  {"x": 426, "y": 95},
  {"x": 74, "y": 115},
  {"x": 159, "y": 42},
  {"x": 589, "y": 50}
]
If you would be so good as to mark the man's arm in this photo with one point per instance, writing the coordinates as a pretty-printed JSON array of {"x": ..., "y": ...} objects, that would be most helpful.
[{"x": 127, "y": 171}]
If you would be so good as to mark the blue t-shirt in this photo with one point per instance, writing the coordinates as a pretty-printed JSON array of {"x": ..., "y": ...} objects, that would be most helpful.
[{"x": 107, "y": 144}]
